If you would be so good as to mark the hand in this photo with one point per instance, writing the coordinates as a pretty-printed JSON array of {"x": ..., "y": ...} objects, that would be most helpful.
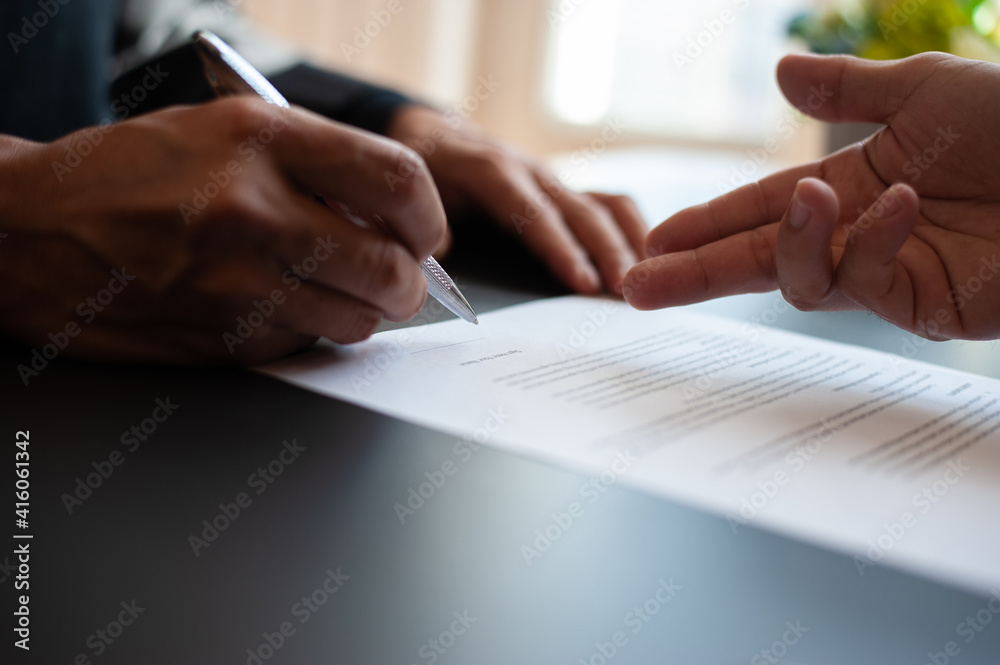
[
  {"x": 586, "y": 239},
  {"x": 838, "y": 234},
  {"x": 194, "y": 234}
]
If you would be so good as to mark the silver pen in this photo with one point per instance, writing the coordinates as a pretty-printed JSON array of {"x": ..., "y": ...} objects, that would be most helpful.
[{"x": 230, "y": 74}]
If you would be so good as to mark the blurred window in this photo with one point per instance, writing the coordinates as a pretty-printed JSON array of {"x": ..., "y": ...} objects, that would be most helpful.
[{"x": 700, "y": 70}]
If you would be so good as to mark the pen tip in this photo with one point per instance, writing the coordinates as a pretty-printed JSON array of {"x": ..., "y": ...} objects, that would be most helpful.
[{"x": 476, "y": 321}]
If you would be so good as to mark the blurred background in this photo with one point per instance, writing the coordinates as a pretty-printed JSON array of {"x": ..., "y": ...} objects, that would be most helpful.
[{"x": 663, "y": 73}]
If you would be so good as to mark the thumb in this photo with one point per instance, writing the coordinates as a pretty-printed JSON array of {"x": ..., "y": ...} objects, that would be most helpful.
[{"x": 842, "y": 88}]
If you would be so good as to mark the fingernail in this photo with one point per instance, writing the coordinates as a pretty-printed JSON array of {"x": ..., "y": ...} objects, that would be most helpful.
[
  {"x": 588, "y": 277},
  {"x": 616, "y": 286},
  {"x": 626, "y": 262},
  {"x": 799, "y": 213},
  {"x": 888, "y": 204}
]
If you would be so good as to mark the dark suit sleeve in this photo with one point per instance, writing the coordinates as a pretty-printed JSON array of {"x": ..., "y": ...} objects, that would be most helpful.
[
  {"x": 333, "y": 95},
  {"x": 340, "y": 97}
]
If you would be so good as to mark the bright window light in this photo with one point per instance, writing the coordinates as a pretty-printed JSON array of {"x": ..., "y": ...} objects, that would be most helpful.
[{"x": 701, "y": 70}]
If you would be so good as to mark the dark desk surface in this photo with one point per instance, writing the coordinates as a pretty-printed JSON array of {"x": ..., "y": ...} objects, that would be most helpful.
[{"x": 329, "y": 519}]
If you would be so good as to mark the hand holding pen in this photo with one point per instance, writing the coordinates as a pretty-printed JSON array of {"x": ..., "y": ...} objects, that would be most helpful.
[{"x": 230, "y": 74}]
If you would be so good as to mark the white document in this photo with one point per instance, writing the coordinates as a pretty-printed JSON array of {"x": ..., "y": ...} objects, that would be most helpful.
[{"x": 891, "y": 461}]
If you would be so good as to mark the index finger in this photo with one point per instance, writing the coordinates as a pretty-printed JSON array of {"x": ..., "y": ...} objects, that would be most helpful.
[
  {"x": 742, "y": 263},
  {"x": 743, "y": 209},
  {"x": 368, "y": 172}
]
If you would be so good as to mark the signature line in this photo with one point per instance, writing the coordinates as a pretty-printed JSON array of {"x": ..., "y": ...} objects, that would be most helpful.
[{"x": 435, "y": 348}]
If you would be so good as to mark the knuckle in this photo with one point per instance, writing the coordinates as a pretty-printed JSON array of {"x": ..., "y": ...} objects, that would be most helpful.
[
  {"x": 759, "y": 197},
  {"x": 231, "y": 204},
  {"x": 763, "y": 254},
  {"x": 703, "y": 275},
  {"x": 416, "y": 194},
  {"x": 411, "y": 164},
  {"x": 384, "y": 267},
  {"x": 244, "y": 115},
  {"x": 241, "y": 114},
  {"x": 492, "y": 159},
  {"x": 411, "y": 156},
  {"x": 930, "y": 58}
]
